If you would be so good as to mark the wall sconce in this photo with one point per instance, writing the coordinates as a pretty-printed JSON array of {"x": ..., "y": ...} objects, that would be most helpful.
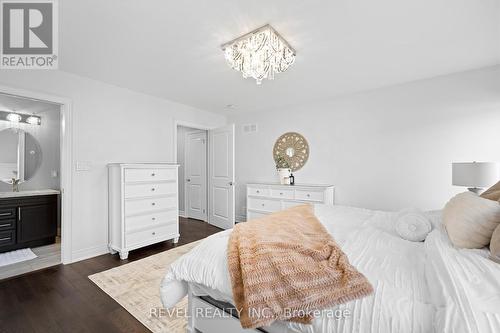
[{"x": 20, "y": 118}]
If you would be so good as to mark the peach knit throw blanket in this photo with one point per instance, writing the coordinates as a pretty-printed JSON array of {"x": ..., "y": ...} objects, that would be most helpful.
[{"x": 285, "y": 266}]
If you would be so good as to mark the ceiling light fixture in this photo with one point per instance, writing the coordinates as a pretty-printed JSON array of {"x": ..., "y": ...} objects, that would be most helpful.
[{"x": 259, "y": 54}]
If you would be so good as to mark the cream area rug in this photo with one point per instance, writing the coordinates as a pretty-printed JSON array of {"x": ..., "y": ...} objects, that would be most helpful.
[{"x": 136, "y": 287}]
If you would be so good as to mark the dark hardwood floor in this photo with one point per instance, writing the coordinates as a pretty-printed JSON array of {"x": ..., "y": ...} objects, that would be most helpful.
[{"x": 63, "y": 299}]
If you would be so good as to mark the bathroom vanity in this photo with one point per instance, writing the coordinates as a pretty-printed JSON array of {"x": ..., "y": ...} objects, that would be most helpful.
[{"x": 28, "y": 219}]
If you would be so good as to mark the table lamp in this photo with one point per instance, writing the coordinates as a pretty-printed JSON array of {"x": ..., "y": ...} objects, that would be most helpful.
[{"x": 475, "y": 175}]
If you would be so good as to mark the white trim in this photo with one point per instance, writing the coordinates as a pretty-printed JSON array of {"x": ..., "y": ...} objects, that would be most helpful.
[
  {"x": 90, "y": 252},
  {"x": 182, "y": 214},
  {"x": 66, "y": 161}
]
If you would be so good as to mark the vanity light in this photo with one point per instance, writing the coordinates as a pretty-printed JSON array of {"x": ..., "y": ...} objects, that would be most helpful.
[
  {"x": 14, "y": 117},
  {"x": 20, "y": 118},
  {"x": 33, "y": 120}
]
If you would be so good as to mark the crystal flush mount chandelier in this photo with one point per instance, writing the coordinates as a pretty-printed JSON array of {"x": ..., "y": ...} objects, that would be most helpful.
[{"x": 259, "y": 54}]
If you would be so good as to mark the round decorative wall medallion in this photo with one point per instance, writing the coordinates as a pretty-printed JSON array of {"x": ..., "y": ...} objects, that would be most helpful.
[{"x": 291, "y": 150}]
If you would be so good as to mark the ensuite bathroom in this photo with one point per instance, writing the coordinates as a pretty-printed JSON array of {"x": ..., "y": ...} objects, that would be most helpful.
[{"x": 30, "y": 185}]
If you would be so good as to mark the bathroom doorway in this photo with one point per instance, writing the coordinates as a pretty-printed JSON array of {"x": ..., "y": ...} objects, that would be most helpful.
[{"x": 33, "y": 146}]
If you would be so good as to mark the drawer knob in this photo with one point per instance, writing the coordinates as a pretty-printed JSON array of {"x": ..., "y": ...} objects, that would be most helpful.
[
  {"x": 257, "y": 191},
  {"x": 263, "y": 205},
  {"x": 153, "y": 233},
  {"x": 153, "y": 189},
  {"x": 153, "y": 218},
  {"x": 281, "y": 193},
  {"x": 153, "y": 203},
  {"x": 308, "y": 195},
  {"x": 153, "y": 174}
]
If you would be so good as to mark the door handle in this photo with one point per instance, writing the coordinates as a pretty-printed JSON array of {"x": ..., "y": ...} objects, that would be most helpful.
[
  {"x": 230, "y": 183},
  {"x": 19, "y": 214},
  {"x": 188, "y": 180}
]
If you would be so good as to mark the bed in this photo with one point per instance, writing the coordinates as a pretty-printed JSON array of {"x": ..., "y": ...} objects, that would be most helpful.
[{"x": 418, "y": 286}]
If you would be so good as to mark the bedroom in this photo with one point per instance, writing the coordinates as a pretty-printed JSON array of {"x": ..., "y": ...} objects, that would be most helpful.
[{"x": 387, "y": 96}]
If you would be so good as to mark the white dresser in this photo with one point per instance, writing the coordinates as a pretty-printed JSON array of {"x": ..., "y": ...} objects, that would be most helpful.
[
  {"x": 265, "y": 198},
  {"x": 143, "y": 205}
]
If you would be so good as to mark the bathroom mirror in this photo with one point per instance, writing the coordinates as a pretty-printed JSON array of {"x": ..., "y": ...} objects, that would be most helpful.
[
  {"x": 20, "y": 155},
  {"x": 292, "y": 148}
]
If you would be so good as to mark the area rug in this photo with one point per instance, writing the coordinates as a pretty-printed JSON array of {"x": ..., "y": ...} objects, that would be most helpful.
[
  {"x": 12, "y": 257},
  {"x": 136, "y": 287}
]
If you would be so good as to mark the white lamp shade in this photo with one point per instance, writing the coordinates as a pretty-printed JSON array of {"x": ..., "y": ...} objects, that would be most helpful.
[{"x": 475, "y": 174}]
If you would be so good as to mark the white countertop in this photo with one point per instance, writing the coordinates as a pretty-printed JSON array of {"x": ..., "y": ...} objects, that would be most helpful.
[
  {"x": 28, "y": 193},
  {"x": 291, "y": 186}
]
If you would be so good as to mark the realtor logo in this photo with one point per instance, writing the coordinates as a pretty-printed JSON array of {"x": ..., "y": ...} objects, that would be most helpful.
[{"x": 29, "y": 34}]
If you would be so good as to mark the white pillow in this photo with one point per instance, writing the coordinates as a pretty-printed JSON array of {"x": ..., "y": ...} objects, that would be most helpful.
[
  {"x": 470, "y": 220},
  {"x": 413, "y": 225}
]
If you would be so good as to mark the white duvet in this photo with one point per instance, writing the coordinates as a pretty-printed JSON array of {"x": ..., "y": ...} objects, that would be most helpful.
[
  {"x": 465, "y": 286},
  {"x": 419, "y": 287}
]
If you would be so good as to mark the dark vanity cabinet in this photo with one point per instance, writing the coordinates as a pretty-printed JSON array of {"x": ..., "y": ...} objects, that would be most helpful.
[{"x": 28, "y": 221}]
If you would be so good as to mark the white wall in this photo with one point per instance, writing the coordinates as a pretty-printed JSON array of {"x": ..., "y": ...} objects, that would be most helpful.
[
  {"x": 47, "y": 135},
  {"x": 385, "y": 149},
  {"x": 110, "y": 124}
]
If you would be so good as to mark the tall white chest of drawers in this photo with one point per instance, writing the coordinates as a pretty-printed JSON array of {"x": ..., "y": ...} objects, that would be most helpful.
[
  {"x": 143, "y": 205},
  {"x": 266, "y": 198}
]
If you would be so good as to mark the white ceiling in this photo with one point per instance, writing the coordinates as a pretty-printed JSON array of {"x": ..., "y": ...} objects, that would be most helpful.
[{"x": 171, "y": 49}]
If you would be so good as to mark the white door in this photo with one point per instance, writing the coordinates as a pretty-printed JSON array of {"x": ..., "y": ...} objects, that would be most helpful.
[
  {"x": 196, "y": 175},
  {"x": 221, "y": 179}
]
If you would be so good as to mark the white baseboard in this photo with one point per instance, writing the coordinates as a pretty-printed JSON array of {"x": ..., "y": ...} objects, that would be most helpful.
[
  {"x": 240, "y": 218},
  {"x": 89, "y": 252},
  {"x": 182, "y": 213}
]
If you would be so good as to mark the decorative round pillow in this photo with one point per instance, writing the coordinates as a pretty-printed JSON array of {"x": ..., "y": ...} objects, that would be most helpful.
[{"x": 413, "y": 225}]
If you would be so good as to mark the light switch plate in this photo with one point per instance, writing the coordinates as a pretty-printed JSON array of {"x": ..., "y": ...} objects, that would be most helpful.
[{"x": 83, "y": 166}]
